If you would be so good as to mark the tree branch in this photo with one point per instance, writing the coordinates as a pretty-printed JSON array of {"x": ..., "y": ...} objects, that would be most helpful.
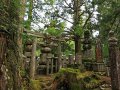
[
  {"x": 90, "y": 14},
  {"x": 64, "y": 19},
  {"x": 68, "y": 5}
]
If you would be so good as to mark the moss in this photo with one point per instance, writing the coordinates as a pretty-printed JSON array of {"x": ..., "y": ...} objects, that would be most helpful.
[
  {"x": 76, "y": 86},
  {"x": 76, "y": 79},
  {"x": 91, "y": 81},
  {"x": 35, "y": 85},
  {"x": 69, "y": 70}
]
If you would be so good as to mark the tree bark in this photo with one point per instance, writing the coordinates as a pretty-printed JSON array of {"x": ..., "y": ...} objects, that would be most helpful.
[
  {"x": 10, "y": 22},
  {"x": 78, "y": 51},
  {"x": 77, "y": 40}
]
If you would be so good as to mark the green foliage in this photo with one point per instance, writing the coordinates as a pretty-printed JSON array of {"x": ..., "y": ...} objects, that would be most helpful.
[
  {"x": 55, "y": 28},
  {"x": 50, "y": 1},
  {"x": 69, "y": 70},
  {"x": 105, "y": 50},
  {"x": 75, "y": 86},
  {"x": 52, "y": 31},
  {"x": 27, "y": 23},
  {"x": 68, "y": 47},
  {"x": 78, "y": 30},
  {"x": 108, "y": 18}
]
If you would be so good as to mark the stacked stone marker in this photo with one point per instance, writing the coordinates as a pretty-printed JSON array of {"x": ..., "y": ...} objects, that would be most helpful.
[
  {"x": 43, "y": 57},
  {"x": 46, "y": 50},
  {"x": 114, "y": 58},
  {"x": 28, "y": 52},
  {"x": 30, "y": 57}
]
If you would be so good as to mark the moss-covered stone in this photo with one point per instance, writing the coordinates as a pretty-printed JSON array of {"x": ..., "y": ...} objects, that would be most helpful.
[{"x": 74, "y": 79}]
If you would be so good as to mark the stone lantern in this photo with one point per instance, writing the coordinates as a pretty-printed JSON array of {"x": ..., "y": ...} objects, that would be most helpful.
[
  {"x": 46, "y": 49},
  {"x": 87, "y": 41}
]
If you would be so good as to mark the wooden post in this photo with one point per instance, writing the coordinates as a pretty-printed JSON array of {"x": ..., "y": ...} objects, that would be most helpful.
[
  {"x": 114, "y": 58},
  {"x": 32, "y": 62}
]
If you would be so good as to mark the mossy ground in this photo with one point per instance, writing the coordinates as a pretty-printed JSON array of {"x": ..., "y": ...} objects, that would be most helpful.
[{"x": 68, "y": 79}]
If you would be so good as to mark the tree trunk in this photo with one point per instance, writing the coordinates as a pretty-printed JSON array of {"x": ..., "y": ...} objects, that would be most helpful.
[
  {"x": 78, "y": 51},
  {"x": 10, "y": 23},
  {"x": 30, "y": 14},
  {"x": 77, "y": 37}
]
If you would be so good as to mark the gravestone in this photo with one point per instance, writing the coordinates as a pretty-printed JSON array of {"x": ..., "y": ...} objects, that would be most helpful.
[
  {"x": 99, "y": 65},
  {"x": 88, "y": 54},
  {"x": 46, "y": 59},
  {"x": 98, "y": 51}
]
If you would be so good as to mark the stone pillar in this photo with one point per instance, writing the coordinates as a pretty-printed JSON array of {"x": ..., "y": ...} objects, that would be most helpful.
[
  {"x": 56, "y": 64},
  {"x": 48, "y": 65},
  {"x": 52, "y": 65},
  {"x": 114, "y": 58},
  {"x": 32, "y": 62}
]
